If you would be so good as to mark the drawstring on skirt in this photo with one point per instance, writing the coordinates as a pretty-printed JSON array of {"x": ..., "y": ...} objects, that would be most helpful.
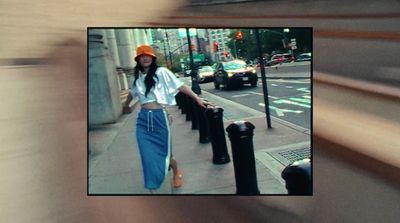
[{"x": 150, "y": 121}]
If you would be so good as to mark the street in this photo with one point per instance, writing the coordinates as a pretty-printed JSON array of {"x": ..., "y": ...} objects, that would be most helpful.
[
  {"x": 289, "y": 99},
  {"x": 289, "y": 93}
]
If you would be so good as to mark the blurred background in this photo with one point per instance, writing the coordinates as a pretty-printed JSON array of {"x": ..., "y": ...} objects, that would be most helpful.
[{"x": 356, "y": 102}]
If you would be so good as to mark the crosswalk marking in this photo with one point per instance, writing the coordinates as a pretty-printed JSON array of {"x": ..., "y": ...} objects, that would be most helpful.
[
  {"x": 256, "y": 93},
  {"x": 284, "y": 101},
  {"x": 303, "y": 100},
  {"x": 303, "y": 89}
]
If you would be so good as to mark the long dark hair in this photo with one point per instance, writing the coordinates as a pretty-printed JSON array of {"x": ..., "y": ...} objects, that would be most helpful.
[{"x": 148, "y": 81}]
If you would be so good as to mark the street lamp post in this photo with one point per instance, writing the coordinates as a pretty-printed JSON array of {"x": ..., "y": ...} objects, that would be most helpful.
[
  {"x": 166, "y": 44},
  {"x": 234, "y": 46},
  {"x": 165, "y": 48},
  {"x": 195, "y": 84},
  {"x": 165, "y": 53},
  {"x": 169, "y": 49},
  {"x": 263, "y": 78}
]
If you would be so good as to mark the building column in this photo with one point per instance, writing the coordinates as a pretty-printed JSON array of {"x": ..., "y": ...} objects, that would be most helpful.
[
  {"x": 112, "y": 42},
  {"x": 136, "y": 38},
  {"x": 126, "y": 53},
  {"x": 104, "y": 95},
  {"x": 124, "y": 44},
  {"x": 112, "y": 46}
]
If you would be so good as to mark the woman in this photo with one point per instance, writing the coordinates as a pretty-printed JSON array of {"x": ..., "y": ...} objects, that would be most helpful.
[{"x": 155, "y": 87}]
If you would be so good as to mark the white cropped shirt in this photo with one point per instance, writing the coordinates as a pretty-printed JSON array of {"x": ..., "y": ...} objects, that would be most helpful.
[{"x": 164, "y": 91}]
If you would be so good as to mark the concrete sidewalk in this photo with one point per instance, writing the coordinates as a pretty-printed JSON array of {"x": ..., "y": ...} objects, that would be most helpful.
[{"x": 115, "y": 168}]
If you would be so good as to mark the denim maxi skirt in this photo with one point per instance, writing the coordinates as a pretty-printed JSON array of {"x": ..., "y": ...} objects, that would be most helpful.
[{"x": 154, "y": 141}]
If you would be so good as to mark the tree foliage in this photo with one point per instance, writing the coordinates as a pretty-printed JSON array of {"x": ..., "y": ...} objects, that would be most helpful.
[{"x": 271, "y": 41}]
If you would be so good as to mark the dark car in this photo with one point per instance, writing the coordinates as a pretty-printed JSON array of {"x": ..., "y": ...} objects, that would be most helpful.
[
  {"x": 304, "y": 57},
  {"x": 234, "y": 73},
  {"x": 206, "y": 74}
]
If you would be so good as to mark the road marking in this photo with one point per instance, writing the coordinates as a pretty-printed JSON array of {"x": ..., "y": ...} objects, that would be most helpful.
[
  {"x": 284, "y": 101},
  {"x": 306, "y": 96},
  {"x": 291, "y": 81},
  {"x": 239, "y": 95},
  {"x": 256, "y": 93},
  {"x": 303, "y": 100},
  {"x": 303, "y": 89},
  {"x": 253, "y": 92},
  {"x": 281, "y": 112},
  {"x": 275, "y": 85},
  {"x": 278, "y": 111},
  {"x": 293, "y": 111},
  {"x": 288, "y": 87}
]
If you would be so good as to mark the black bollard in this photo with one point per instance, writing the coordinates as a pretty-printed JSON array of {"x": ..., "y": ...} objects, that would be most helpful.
[
  {"x": 195, "y": 115},
  {"x": 241, "y": 136},
  {"x": 204, "y": 132},
  {"x": 178, "y": 100},
  {"x": 182, "y": 99},
  {"x": 298, "y": 177},
  {"x": 218, "y": 141},
  {"x": 188, "y": 108}
]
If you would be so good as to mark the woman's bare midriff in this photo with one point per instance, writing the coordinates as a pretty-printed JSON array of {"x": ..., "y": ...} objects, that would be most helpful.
[{"x": 152, "y": 105}]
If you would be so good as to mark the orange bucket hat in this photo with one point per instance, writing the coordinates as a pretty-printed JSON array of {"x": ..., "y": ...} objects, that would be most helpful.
[{"x": 146, "y": 50}]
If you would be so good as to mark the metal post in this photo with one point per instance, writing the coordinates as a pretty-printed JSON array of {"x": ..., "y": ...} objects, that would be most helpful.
[
  {"x": 195, "y": 84},
  {"x": 204, "y": 131},
  {"x": 234, "y": 46},
  {"x": 188, "y": 107},
  {"x": 264, "y": 79},
  {"x": 195, "y": 116},
  {"x": 217, "y": 134},
  {"x": 169, "y": 50},
  {"x": 298, "y": 177},
  {"x": 244, "y": 164},
  {"x": 165, "y": 53}
]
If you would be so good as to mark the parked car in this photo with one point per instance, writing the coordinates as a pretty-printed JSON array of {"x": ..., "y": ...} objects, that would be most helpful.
[
  {"x": 288, "y": 58},
  {"x": 280, "y": 58},
  {"x": 304, "y": 57},
  {"x": 234, "y": 73},
  {"x": 206, "y": 74}
]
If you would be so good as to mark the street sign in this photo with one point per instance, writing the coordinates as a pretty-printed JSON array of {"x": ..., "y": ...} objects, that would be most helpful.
[
  {"x": 293, "y": 44},
  {"x": 197, "y": 58}
]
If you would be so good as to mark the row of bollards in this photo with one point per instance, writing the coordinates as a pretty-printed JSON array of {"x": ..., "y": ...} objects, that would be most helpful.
[{"x": 209, "y": 123}]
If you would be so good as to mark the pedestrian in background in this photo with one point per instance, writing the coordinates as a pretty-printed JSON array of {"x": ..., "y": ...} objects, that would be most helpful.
[{"x": 156, "y": 88}]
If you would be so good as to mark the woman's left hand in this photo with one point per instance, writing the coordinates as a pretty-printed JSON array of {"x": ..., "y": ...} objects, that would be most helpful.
[{"x": 204, "y": 104}]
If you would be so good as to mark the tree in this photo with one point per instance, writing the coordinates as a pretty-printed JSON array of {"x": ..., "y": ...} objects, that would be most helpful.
[{"x": 271, "y": 41}]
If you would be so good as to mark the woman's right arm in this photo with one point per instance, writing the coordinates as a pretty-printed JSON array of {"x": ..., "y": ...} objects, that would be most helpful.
[
  {"x": 126, "y": 108},
  {"x": 128, "y": 100}
]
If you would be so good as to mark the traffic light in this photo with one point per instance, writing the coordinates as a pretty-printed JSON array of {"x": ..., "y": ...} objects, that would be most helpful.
[
  {"x": 192, "y": 47},
  {"x": 215, "y": 45},
  {"x": 239, "y": 35}
]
